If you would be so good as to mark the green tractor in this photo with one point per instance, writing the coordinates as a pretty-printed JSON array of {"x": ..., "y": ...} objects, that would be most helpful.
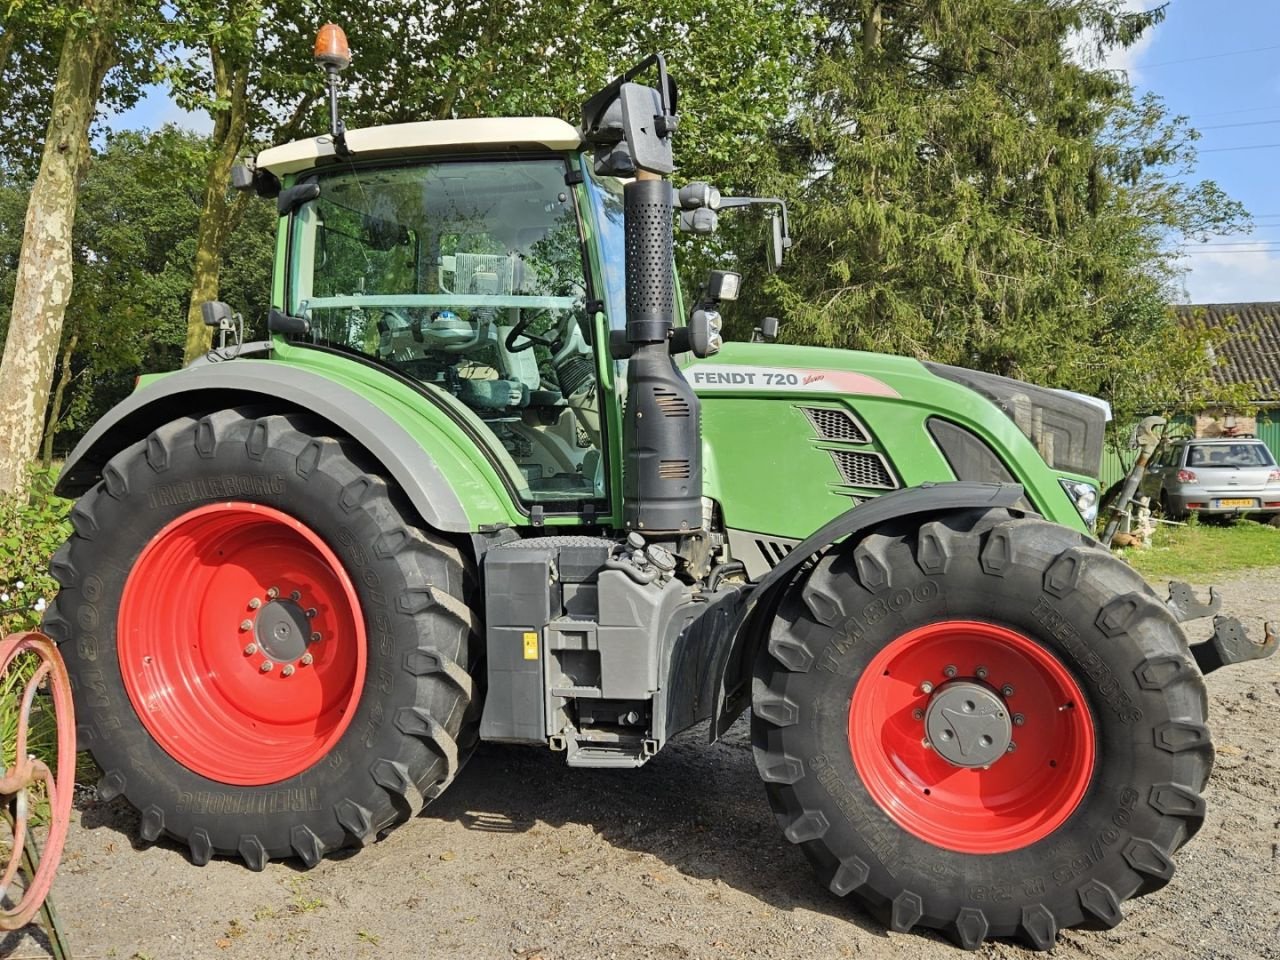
[{"x": 492, "y": 478}]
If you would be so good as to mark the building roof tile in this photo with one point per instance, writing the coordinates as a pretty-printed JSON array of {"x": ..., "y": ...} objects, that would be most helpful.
[{"x": 1251, "y": 351}]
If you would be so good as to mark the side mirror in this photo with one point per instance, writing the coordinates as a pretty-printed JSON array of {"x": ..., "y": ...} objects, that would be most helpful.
[
  {"x": 216, "y": 313},
  {"x": 776, "y": 244}
]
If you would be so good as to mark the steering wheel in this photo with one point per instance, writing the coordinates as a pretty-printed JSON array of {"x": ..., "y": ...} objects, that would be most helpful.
[{"x": 552, "y": 343}]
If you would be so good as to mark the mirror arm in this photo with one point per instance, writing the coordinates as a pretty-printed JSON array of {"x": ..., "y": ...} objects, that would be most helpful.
[{"x": 726, "y": 202}]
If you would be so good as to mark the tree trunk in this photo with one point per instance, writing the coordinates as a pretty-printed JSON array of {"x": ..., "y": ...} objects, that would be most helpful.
[
  {"x": 55, "y": 406},
  {"x": 43, "y": 284},
  {"x": 216, "y": 215}
]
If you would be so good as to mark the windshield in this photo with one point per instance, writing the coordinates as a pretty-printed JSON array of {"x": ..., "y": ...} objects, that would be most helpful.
[
  {"x": 1229, "y": 455},
  {"x": 467, "y": 276}
]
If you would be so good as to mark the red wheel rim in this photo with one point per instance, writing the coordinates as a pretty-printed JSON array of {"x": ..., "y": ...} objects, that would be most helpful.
[
  {"x": 242, "y": 644},
  {"x": 1020, "y": 797}
]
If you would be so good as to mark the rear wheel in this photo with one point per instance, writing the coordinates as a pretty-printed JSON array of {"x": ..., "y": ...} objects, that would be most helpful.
[
  {"x": 269, "y": 658},
  {"x": 987, "y": 726}
]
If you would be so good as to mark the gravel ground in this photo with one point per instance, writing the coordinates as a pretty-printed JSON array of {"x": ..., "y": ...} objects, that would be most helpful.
[{"x": 525, "y": 858}]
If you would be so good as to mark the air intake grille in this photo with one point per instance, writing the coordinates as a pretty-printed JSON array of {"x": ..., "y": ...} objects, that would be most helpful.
[
  {"x": 864, "y": 469},
  {"x": 671, "y": 403},
  {"x": 837, "y": 425},
  {"x": 673, "y": 469},
  {"x": 773, "y": 551}
]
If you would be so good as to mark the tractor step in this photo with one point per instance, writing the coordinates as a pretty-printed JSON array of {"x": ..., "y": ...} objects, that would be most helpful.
[{"x": 595, "y": 748}]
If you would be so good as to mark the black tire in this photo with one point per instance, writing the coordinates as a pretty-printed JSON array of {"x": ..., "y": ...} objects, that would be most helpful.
[
  {"x": 1122, "y": 648},
  {"x": 1167, "y": 511},
  {"x": 416, "y": 716}
]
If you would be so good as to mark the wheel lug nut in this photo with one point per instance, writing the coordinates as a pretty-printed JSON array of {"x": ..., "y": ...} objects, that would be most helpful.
[
  {"x": 315, "y": 637},
  {"x": 295, "y": 596},
  {"x": 949, "y": 670},
  {"x": 311, "y": 613},
  {"x": 1019, "y": 719},
  {"x": 926, "y": 687},
  {"x": 266, "y": 666},
  {"x": 917, "y": 714},
  {"x": 924, "y": 742},
  {"x": 250, "y": 650},
  {"x": 273, "y": 592},
  {"x": 246, "y": 624},
  {"x": 287, "y": 670},
  {"x": 980, "y": 673},
  {"x": 306, "y": 660},
  {"x": 1007, "y": 689},
  {"x": 255, "y": 603},
  {"x": 1011, "y": 747}
]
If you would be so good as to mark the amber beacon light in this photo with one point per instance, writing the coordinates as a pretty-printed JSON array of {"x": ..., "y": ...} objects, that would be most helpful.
[
  {"x": 334, "y": 55},
  {"x": 331, "y": 47}
]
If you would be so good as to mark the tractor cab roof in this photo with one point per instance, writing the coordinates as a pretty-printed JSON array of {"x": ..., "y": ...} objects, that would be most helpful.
[{"x": 404, "y": 139}]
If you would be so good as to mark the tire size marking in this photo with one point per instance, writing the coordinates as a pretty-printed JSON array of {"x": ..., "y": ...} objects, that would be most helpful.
[
  {"x": 214, "y": 488},
  {"x": 873, "y": 612},
  {"x": 883, "y": 842},
  {"x": 1107, "y": 686},
  {"x": 220, "y": 803},
  {"x": 1066, "y": 872}
]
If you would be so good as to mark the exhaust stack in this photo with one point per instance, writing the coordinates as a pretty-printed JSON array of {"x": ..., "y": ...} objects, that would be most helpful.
[{"x": 631, "y": 126}]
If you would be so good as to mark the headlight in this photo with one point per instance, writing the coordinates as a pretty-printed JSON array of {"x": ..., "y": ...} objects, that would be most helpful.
[{"x": 1084, "y": 496}]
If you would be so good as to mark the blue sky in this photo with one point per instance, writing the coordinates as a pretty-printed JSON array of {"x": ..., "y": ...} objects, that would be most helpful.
[
  {"x": 1218, "y": 63},
  {"x": 1214, "y": 61}
]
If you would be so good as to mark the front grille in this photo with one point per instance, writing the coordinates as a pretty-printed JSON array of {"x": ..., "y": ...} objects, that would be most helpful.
[
  {"x": 859, "y": 469},
  {"x": 837, "y": 425}
]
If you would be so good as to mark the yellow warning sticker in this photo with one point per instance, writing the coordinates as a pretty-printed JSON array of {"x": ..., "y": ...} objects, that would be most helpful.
[{"x": 531, "y": 646}]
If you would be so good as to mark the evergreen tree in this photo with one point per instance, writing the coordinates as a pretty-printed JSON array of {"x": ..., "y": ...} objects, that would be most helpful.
[{"x": 974, "y": 187}]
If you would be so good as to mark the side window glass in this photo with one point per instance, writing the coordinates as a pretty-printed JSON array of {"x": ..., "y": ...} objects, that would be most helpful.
[{"x": 467, "y": 276}]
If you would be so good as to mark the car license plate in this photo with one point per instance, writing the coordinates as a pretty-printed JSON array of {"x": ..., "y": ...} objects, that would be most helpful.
[{"x": 1238, "y": 503}]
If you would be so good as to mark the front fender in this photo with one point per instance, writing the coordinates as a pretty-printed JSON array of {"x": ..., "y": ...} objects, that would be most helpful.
[
  {"x": 752, "y": 625},
  {"x": 201, "y": 389}
]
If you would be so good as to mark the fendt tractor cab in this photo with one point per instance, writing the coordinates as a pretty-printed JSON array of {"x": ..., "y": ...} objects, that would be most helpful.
[{"x": 492, "y": 478}]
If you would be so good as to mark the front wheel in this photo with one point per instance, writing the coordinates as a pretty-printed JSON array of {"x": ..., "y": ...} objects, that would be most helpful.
[
  {"x": 987, "y": 726},
  {"x": 269, "y": 658}
]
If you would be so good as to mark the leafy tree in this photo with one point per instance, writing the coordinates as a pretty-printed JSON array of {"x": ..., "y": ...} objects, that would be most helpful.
[
  {"x": 133, "y": 243},
  {"x": 247, "y": 64},
  {"x": 969, "y": 190},
  {"x": 735, "y": 60},
  {"x": 94, "y": 34}
]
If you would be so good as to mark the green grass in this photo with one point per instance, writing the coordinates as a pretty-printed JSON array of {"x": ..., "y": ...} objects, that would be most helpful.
[{"x": 1206, "y": 550}]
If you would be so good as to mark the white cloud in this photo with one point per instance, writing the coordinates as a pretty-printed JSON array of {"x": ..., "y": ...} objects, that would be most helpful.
[
  {"x": 1117, "y": 58},
  {"x": 1237, "y": 274}
]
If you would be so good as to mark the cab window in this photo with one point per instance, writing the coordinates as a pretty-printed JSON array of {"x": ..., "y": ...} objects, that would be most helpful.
[{"x": 468, "y": 277}]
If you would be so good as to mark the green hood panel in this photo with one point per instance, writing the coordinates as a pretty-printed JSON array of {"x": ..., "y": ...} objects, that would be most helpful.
[{"x": 772, "y": 472}]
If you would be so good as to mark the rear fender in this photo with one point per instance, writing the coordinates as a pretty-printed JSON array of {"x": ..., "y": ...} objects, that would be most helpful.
[
  {"x": 752, "y": 626},
  {"x": 198, "y": 390}
]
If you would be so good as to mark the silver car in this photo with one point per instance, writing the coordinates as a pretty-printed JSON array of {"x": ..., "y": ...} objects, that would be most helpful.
[{"x": 1232, "y": 476}]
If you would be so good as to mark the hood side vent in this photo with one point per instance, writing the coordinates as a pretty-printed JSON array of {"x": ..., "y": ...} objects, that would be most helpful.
[
  {"x": 838, "y": 425},
  {"x": 864, "y": 469}
]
